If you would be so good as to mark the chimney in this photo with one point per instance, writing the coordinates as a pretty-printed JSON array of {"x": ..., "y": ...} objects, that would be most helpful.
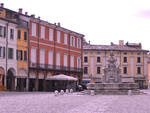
[
  {"x": 26, "y": 13},
  {"x": 33, "y": 15},
  {"x": 58, "y": 24},
  {"x": 2, "y": 5},
  {"x": 39, "y": 17},
  {"x": 20, "y": 10},
  {"x": 111, "y": 43},
  {"x": 121, "y": 42}
]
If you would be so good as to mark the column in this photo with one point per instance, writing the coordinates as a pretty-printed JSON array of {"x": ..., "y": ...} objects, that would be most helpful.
[
  {"x": 15, "y": 83},
  {"x": 27, "y": 84}
]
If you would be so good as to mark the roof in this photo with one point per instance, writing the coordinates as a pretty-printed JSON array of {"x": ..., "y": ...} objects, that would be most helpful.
[
  {"x": 112, "y": 48},
  {"x": 31, "y": 17}
]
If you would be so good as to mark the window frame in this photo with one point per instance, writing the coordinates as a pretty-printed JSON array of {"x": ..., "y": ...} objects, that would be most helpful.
[
  {"x": 98, "y": 70},
  {"x": 85, "y": 70},
  {"x": 85, "y": 60}
]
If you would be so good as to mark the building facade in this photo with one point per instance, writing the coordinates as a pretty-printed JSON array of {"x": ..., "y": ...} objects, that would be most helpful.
[
  {"x": 33, "y": 50},
  {"x": 131, "y": 59},
  {"x": 8, "y": 45},
  {"x": 53, "y": 50}
]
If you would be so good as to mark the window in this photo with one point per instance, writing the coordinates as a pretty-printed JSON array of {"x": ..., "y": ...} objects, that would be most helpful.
[
  {"x": 125, "y": 59},
  {"x": 50, "y": 57},
  {"x": 72, "y": 61},
  {"x": 2, "y": 52},
  {"x": 10, "y": 53},
  {"x": 138, "y": 70},
  {"x": 79, "y": 43},
  {"x": 25, "y": 35},
  {"x": 98, "y": 59},
  {"x": 33, "y": 55},
  {"x": 25, "y": 55},
  {"x": 2, "y": 31},
  {"x": 58, "y": 36},
  {"x": 79, "y": 62},
  {"x": 19, "y": 55},
  {"x": 42, "y": 32},
  {"x": 98, "y": 70},
  {"x": 85, "y": 70},
  {"x": 85, "y": 59},
  {"x": 65, "y": 39},
  {"x": 11, "y": 34},
  {"x": 65, "y": 60},
  {"x": 51, "y": 34},
  {"x": 72, "y": 41},
  {"x": 125, "y": 70},
  {"x": 33, "y": 29},
  {"x": 138, "y": 59},
  {"x": 58, "y": 59},
  {"x": 42, "y": 56},
  {"x": 19, "y": 34}
]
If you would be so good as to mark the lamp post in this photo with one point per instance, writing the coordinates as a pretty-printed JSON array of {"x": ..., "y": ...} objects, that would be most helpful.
[{"x": 91, "y": 78}]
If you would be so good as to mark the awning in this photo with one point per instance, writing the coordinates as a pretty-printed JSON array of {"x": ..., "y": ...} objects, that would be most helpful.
[{"x": 62, "y": 77}]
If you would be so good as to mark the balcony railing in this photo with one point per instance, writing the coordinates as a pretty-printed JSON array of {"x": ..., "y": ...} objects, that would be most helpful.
[{"x": 54, "y": 67}]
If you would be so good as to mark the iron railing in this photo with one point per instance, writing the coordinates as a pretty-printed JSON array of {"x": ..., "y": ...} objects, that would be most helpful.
[{"x": 54, "y": 67}]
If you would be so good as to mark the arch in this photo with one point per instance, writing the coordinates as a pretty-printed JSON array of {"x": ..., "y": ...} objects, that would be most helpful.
[
  {"x": 11, "y": 73},
  {"x": 2, "y": 73}
]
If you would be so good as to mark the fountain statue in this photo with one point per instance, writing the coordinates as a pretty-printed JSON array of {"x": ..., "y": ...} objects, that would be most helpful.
[{"x": 112, "y": 81}]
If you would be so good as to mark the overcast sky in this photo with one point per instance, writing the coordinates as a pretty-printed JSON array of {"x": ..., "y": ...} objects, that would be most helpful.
[{"x": 101, "y": 21}]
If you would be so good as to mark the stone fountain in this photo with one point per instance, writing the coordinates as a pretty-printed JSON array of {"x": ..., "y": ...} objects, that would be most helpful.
[{"x": 112, "y": 82}]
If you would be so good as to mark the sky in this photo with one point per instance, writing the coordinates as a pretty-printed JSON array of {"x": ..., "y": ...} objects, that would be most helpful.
[{"x": 101, "y": 21}]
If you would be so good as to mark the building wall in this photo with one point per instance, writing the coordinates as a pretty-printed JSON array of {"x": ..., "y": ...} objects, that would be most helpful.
[
  {"x": 43, "y": 44},
  {"x": 119, "y": 55},
  {"x": 12, "y": 43},
  {"x": 23, "y": 46}
]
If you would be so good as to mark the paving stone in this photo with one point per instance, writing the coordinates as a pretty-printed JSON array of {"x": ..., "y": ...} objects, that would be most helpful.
[{"x": 38, "y": 102}]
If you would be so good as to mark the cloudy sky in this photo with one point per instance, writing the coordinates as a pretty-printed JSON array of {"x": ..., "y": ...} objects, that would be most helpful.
[{"x": 101, "y": 21}]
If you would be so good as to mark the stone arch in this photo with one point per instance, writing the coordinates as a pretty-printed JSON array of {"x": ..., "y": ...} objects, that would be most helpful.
[
  {"x": 2, "y": 73},
  {"x": 11, "y": 73}
]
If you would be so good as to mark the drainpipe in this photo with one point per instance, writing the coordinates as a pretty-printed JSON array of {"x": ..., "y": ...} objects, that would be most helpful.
[
  {"x": 54, "y": 55},
  {"x": 5, "y": 80},
  {"x": 27, "y": 81}
]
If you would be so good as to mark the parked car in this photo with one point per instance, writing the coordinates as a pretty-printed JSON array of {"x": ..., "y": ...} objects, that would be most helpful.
[{"x": 79, "y": 88}]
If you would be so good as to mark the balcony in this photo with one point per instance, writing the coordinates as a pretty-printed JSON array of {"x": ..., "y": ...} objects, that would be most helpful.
[{"x": 54, "y": 67}]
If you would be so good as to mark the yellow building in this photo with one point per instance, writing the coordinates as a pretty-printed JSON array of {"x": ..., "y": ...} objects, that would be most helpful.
[
  {"x": 22, "y": 56},
  {"x": 131, "y": 59}
]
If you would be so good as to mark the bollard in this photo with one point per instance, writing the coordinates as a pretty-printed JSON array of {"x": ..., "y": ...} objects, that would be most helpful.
[
  {"x": 56, "y": 93},
  {"x": 92, "y": 92},
  {"x": 129, "y": 92},
  {"x": 61, "y": 92},
  {"x": 71, "y": 90},
  {"x": 67, "y": 91}
]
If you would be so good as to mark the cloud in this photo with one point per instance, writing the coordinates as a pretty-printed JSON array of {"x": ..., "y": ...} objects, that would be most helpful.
[{"x": 144, "y": 14}]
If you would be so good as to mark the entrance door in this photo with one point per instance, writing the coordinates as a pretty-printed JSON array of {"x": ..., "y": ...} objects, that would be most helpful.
[
  {"x": 41, "y": 82},
  {"x": 10, "y": 80},
  {"x": 31, "y": 84}
]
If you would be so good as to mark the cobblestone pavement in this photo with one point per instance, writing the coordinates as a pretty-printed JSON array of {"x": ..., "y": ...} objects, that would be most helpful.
[{"x": 38, "y": 102}]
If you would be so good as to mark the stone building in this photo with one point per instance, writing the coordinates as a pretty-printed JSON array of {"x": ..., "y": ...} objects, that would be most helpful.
[
  {"x": 131, "y": 59},
  {"x": 33, "y": 50},
  {"x": 53, "y": 50}
]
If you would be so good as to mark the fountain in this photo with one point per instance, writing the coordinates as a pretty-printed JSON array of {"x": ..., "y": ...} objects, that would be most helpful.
[{"x": 112, "y": 82}]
